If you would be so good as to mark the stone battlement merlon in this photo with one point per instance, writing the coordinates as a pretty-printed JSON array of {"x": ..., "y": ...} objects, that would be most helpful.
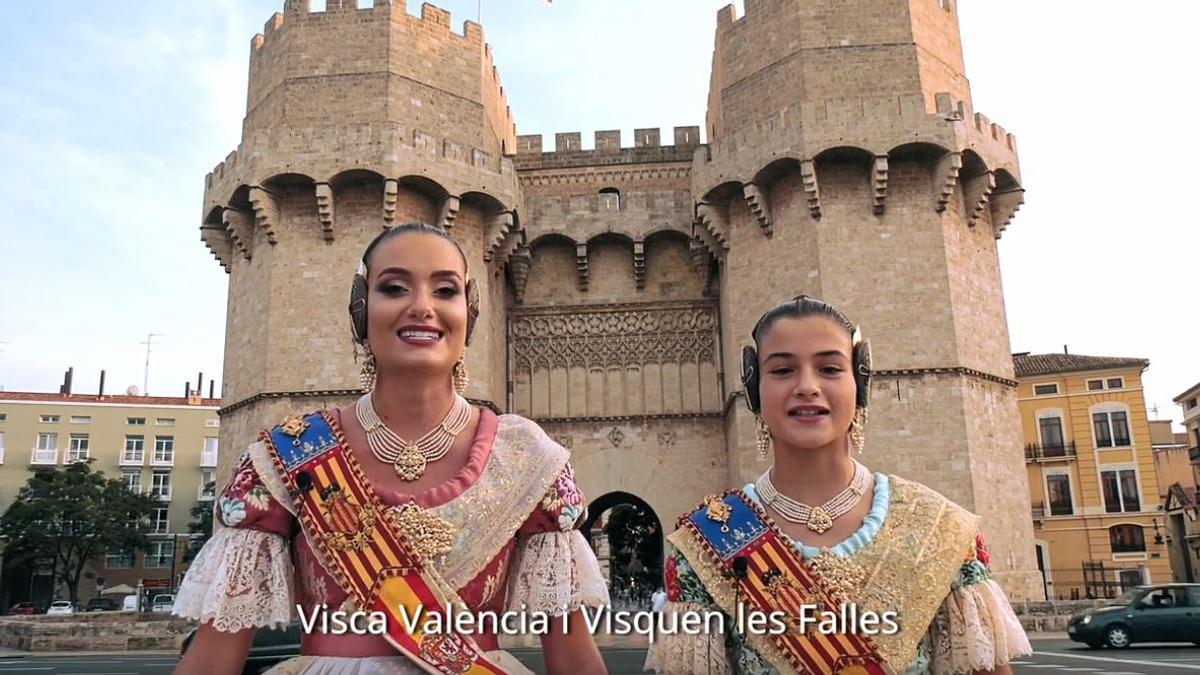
[
  {"x": 569, "y": 151},
  {"x": 351, "y": 11}
]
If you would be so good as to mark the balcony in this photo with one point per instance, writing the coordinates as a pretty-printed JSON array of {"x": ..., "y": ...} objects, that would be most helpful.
[
  {"x": 1038, "y": 511},
  {"x": 1040, "y": 452}
]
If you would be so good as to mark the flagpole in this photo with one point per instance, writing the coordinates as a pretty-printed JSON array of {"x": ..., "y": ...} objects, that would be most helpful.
[{"x": 479, "y": 13}]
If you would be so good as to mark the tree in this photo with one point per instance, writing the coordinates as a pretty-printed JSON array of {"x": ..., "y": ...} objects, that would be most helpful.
[
  {"x": 200, "y": 527},
  {"x": 70, "y": 515},
  {"x": 636, "y": 552}
]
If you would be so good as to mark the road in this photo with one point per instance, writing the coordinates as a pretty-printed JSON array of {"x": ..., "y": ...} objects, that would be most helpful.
[{"x": 1051, "y": 657}]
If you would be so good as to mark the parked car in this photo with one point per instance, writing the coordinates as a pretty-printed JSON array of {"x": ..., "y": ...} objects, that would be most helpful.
[
  {"x": 163, "y": 602},
  {"x": 101, "y": 605},
  {"x": 61, "y": 607},
  {"x": 1159, "y": 613},
  {"x": 24, "y": 608},
  {"x": 270, "y": 646}
]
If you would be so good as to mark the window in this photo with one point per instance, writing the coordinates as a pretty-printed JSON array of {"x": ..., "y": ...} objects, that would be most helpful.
[
  {"x": 1, "y": 447},
  {"x": 164, "y": 422},
  {"x": 160, "y": 484},
  {"x": 1120, "y": 490},
  {"x": 212, "y": 424},
  {"x": 78, "y": 450},
  {"x": 135, "y": 421},
  {"x": 160, "y": 554},
  {"x": 46, "y": 451},
  {"x": 209, "y": 456},
  {"x": 3, "y": 417},
  {"x": 1108, "y": 383},
  {"x": 80, "y": 419},
  {"x": 159, "y": 523},
  {"x": 1050, "y": 429},
  {"x": 1058, "y": 489},
  {"x": 164, "y": 451},
  {"x": 133, "y": 480},
  {"x": 610, "y": 199},
  {"x": 1112, "y": 429},
  {"x": 1045, "y": 389},
  {"x": 208, "y": 485},
  {"x": 48, "y": 419},
  {"x": 134, "y": 453},
  {"x": 1191, "y": 403},
  {"x": 118, "y": 558},
  {"x": 1127, "y": 539}
]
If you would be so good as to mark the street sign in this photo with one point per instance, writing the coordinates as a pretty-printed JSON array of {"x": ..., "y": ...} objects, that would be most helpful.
[{"x": 156, "y": 583}]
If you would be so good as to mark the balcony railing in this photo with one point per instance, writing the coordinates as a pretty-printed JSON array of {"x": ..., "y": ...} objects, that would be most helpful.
[
  {"x": 1038, "y": 510},
  {"x": 1038, "y": 452}
]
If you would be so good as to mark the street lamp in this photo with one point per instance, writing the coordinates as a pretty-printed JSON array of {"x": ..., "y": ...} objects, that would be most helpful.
[{"x": 1158, "y": 538}]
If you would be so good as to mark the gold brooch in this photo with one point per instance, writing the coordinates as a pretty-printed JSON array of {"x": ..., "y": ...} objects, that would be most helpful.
[
  {"x": 842, "y": 576},
  {"x": 427, "y": 534},
  {"x": 294, "y": 426},
  {"x": 718, "y": 511}
]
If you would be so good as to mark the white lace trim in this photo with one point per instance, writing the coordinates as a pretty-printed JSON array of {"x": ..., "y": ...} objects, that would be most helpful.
[
  {"x": 975, "y": 629},
  {"x": 678, "y": 653},
  {"x": 553, "y": 570},
  {"x": 241, "y": 579}
]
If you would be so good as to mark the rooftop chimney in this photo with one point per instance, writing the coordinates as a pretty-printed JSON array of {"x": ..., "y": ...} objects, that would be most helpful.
[
  {"x": 1065, "y": 350},
  {"x": 102, "y": 383}
]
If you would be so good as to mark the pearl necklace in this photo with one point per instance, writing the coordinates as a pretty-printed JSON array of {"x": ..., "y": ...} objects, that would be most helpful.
[
  {"x": 817, "y": 518},
  {"x": 409, "y": 458}
]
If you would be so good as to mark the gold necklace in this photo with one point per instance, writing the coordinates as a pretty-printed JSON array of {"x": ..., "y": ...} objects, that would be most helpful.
[
  {"x": 817, "y": 518},
  {"x": 409, "y": 458}
]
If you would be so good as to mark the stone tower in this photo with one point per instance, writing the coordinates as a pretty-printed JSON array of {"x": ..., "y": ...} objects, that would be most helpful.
[
  {"x": 355, "y": 119},
  {"x": 619, "y": 283},
  {"x": 846, "y": 162}
]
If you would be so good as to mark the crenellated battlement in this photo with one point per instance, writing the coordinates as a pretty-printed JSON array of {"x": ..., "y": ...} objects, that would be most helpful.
[
  {"x": 350, "y": 12},
  {"x": 606, "y": 148}
]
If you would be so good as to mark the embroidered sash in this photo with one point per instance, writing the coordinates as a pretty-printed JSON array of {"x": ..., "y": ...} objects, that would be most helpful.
[
  {"x": 349, "y": 526},
  {"x": 743, "y": 559}
]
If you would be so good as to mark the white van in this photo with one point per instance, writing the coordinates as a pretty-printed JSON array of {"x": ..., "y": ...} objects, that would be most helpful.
[
  {"x": 129, "y": 604},
  {"x": 163, "y": 602}
]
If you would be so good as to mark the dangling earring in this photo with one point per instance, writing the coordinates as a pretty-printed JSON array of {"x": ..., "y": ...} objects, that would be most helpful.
[
  {"x": 366, "y": 371},
  {"x": 858, "y": 436},
  {"x": 461, "y": 376},
  {"x": 762, "y": 438}
]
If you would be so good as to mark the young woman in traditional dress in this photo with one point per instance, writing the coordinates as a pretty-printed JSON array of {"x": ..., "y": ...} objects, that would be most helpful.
[
  {"x": 818, "y": 532},
  {"x": 403, "y": 502}
]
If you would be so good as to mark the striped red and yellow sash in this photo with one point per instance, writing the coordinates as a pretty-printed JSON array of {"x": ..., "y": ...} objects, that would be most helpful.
[
  {"x": 349, "y": 527},
  {"x": 747, "y": 566}
]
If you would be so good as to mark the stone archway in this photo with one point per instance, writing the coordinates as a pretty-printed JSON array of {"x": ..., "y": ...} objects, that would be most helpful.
[{"x": 627, "y": 536}]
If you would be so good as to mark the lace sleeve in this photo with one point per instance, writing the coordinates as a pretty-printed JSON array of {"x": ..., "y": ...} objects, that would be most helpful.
[
  {"x": 975, "y": 628},
  {"x": 241, "y": 579},
  {"x": 556, "y": 573},
  {"x": 677, "y": 652}
]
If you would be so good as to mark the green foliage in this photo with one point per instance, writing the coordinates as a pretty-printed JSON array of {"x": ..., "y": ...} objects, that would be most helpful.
[
  {"x": 70, "y": 515},
  {"x": 633, "y": 541},
  {"x": 200, "y": 527}
]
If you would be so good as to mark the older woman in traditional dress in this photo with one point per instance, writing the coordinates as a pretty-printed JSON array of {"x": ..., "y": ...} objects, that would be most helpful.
[{"x": 410, "y": 504}]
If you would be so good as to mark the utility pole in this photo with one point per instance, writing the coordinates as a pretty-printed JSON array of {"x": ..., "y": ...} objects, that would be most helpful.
[
  {"x": 3, "y": 344},
  {"x": 146, "y": 376}
]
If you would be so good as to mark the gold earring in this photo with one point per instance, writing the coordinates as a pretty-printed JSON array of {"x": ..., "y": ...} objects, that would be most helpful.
[
  {"x": 461, "y": 376},
  {"x": 366, "y": 371},
  {"x": 858, "y": 436},
  {"x": 762, "y": 438}
]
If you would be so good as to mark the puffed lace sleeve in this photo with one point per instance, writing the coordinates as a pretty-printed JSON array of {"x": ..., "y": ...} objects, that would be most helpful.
[
  {"x": 678, "y": 652},
  {"x": 975, "y": 628},
  {"x": 555, "y": 571},
  {"x": 242, "y": 578}
]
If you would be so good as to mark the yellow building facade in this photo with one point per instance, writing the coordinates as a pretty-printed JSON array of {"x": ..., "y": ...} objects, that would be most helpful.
[
  {"x": 1098, "y": 523},
  {"x": 166, "y": 446}
]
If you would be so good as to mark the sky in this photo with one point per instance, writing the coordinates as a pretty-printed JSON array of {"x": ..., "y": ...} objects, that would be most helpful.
[{"x": 114, "y": 112}]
